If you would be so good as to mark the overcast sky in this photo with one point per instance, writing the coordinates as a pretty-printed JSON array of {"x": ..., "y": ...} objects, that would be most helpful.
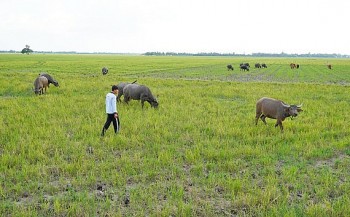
[{"x": 138, "y": 26}]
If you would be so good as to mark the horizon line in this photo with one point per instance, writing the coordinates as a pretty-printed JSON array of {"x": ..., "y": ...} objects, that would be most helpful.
[{"x": 213, "y": 53}]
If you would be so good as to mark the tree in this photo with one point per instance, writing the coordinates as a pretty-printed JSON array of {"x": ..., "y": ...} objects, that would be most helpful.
[{"x": 26, "y": 50}]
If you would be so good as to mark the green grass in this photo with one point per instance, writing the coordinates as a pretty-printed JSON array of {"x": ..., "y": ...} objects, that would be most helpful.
[{"x": 199, "y": 154}]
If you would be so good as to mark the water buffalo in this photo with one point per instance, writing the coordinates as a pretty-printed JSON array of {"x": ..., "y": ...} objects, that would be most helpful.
[
  {"x": 104, "y": 71},
  {"x": 264, "y": 65},
  {"x": 244, "y": 67},
  {"x": 40, "y": 84},
  {"x": 293, "y": 66},
  {"x": 139, "y": 92},
  {"x": 329, "y": 66},
  {"x": 257, "y": 65},
  {"x": 50, "y": 79},
  {"x": 120, "y": 89},
  {"x": 275, "y": 109},
  {"x": 229, "y": 67}
]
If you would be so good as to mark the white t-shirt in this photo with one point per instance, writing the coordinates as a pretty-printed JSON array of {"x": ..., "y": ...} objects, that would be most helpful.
[{"x": 111, "y": 103}]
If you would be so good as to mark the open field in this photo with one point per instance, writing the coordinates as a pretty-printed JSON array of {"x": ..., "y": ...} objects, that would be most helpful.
[{"x": 199, "y": 154}]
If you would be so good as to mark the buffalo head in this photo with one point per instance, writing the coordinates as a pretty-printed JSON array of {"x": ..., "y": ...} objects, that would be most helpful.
[
  {"x": 292, "y": 110},
  {"x": 154, "y": 103}
]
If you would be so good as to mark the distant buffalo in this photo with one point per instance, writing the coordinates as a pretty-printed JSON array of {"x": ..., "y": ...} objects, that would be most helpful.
[
  {"x": 104, "y": 71},
  {"x": 329, "y": 66},
  {"x": 275, "y": 109},
  {"x": 50, "y": 79},
  {"x": 244, "y": 67},
  {"x": 257, "y": 65},
  {"x": 229, "y": 67},
  {"x": 139, "y": 92},
  {"x": 263, "y": 65},
  {"x": 120, "y": 89},
  {"x": 40, "y": 84},
  {"x": 293, "y": 66}
]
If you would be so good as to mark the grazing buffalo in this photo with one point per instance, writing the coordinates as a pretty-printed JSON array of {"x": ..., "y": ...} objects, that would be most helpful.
[
  {"x": 120, "y": 89},
  {"x": 264, "y": 65},
  {"x": 293, "y": 66},
  {"x": 104, "y": 71},
  {"x": 50, "y": 79},
  {"x": 229, "y": 67},
  {"x": 275, "y": 109},
  {"x": 40, "y": 84},
  {"x": 257, "y": 65},
  {"x": 244, "y": 67},
  {"x": 139, "y": 92},
  {"x": 329, "y": 66}
]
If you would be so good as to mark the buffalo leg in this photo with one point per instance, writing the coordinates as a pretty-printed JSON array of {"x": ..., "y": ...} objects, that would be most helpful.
[
  {"x": 257, "y": 118},
  {"x": 262, "y": 117},
  {"x": 142, "y": 103},
  {"x": 279, "y": 123},
  {"x": 143, "y": 98},
  {"x": 126, "y": 99}
]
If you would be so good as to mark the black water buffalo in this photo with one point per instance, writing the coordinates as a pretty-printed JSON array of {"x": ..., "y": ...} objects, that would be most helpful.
[
  {"x": 244, "y": 67},
  {"x": 264, "y": 65},
  {"x": 104, "y": 71},
  {"x": 40, "y": 84},
  {"x": 50, "y": 79},
  {"x": 121, "y": 86},
  {"x": 139, "y": 92},
  {"x": 329, "y": 66},
  {"x": 257, "y": 65},
  {"x": 229, "y": 67},
  {"x": 275, "y": 109}
]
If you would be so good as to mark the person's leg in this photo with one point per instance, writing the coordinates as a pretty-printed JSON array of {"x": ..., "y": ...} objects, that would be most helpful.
[{"x": 107, "y": 124}]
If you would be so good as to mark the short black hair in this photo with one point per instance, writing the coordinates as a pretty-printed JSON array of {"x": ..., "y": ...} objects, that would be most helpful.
[{"x": 114, "y": 87}]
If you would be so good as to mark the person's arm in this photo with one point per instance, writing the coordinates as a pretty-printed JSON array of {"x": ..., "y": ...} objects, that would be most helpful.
[{"x": 114, "y": 104}]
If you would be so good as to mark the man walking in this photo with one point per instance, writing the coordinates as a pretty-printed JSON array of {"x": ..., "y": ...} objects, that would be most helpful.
[{"x": 111, "y": 110}]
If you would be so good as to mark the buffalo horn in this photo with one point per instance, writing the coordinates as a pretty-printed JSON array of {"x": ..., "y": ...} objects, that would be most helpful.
[{"x": 285, "y": 105}]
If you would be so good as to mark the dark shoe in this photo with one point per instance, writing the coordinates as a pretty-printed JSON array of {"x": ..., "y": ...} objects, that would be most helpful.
[{"x": 103, "y": 132}]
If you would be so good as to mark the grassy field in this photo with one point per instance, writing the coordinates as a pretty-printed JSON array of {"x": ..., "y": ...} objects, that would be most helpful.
[{"x": 199, "y": 154}]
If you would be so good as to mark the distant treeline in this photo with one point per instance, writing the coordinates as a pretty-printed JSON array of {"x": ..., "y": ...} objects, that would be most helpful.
[
  {"x": 57, "y": 52},
  {"x": 68, "y": 52},
  {"x": 248, "y": 55},
  {"x": 319, "y": 55}
]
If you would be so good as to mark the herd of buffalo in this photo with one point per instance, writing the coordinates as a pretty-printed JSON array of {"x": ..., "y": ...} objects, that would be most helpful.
[
  {"x": 246, "y": 66},
  {"x": 265, "y": 107},
  {"x": 129, "y": 90}
]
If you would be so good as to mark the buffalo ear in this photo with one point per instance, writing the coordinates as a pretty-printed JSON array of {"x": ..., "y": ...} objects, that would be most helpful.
[{"x": 299, "y": 110}]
